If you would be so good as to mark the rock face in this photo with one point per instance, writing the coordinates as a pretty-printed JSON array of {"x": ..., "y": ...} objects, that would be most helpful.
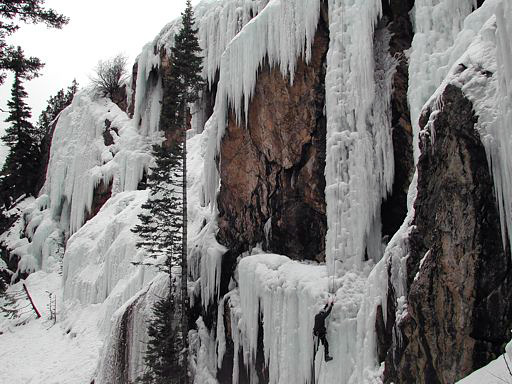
[
  {"x": 272, "y": 167},
  {"x": 459, "y": 285}
]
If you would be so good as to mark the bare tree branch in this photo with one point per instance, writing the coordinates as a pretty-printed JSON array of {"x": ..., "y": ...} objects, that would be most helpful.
[{"x": 110, "y": 75}]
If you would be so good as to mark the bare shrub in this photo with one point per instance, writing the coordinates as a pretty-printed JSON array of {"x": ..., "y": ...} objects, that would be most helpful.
[{"x": 110, "y": 75}]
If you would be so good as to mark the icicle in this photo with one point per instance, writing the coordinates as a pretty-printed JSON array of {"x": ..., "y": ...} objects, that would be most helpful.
[{"x": 501, "y": 152}]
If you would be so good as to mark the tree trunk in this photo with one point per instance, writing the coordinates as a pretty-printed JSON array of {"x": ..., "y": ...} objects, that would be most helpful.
[{"x": 184, "y": 264}]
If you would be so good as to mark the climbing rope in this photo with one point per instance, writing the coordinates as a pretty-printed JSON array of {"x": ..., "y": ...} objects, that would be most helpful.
[{"x": 336, "y": 230}]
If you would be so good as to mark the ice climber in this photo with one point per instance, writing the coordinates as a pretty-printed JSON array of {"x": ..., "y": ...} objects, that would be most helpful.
[{"x": 320, "y": 331}]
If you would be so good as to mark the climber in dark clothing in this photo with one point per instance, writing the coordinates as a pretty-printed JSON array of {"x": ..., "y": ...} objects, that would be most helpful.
[{"x": 320, "y": 331}]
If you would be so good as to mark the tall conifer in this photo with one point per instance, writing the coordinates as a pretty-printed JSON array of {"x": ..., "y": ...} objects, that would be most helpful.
[
  {"x": 18, "y": 175},
  {"x": 163, "y": 228}
]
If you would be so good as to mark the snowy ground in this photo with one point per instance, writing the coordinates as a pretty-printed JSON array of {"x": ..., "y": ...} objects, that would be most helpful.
[
  {"x": 495, "y": 372},
  {"x": 40, "y": 352}
]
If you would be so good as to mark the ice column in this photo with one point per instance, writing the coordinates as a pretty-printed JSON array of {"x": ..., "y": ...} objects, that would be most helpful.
[{"x": 359, "y": 169}]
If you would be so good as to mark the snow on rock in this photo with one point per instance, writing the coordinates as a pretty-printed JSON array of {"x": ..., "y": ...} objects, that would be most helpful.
[
  {"x": 497, "y": 371},
  {"x": 479, "y": 65}
]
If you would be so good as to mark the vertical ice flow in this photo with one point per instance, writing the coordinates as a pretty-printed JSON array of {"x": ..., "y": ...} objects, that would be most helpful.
[{"x": 359, "y": 169}]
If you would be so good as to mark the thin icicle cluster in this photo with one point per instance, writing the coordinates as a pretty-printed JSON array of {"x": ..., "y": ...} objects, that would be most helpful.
[
  {"x": 281, "y": 33},
  {"x": 359, "y": 168},
  {"x": 501, "y": 159}
]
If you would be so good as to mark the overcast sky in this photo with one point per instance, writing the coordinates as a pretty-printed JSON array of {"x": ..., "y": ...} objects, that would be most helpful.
[{"x": 98, "y": 29}]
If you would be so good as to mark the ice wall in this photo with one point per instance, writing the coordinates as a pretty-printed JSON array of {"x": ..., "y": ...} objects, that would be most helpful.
[
  {"x": 287, "y": 295},
  {"x": 80, "y": 160},
  {"x": 501, "y": 158},
  {"x": 97, "y": 266},
  {"x": 205, "y": 253},
  {"x": 359, "y": 164}
]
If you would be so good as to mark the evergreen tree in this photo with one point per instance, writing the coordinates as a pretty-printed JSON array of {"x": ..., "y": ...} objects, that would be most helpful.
[
  {"x": 186, "y": 59},
  {"x": 25, "y": 11},
  {"x": 160, "y": 235},
  {"x": 186, "y": 68},
  {"x": 163, "y": 227},
  {"x": 18, "y": 175},
  {"x": 159, "y": 220}
]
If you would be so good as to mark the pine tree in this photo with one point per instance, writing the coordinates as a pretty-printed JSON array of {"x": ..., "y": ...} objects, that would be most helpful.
[
  {"x": 186, "y": 59},
  {"x": 25, "y": 11},
  {"x": 186, "y": 67},
  {"x": 163, "y": 228},
  {"x": 18, "y": 175},
  {"x": 159, "y": 219},
  {"x": 160, "y": 235}
]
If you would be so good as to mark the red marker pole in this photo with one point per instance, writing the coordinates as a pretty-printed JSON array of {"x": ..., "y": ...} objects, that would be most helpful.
[{"x": 31, "y": 302}]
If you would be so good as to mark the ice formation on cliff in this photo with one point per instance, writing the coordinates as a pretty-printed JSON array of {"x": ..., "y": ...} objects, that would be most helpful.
[
  {"x": 280, "y": 33},
  {"x": 436, "y": 26},
  {"x": 351, "y": 105},
  {"x": 218, "y": 22},
  {"x": 237, "y": 36},
  {"x": 478, "y": 63}
]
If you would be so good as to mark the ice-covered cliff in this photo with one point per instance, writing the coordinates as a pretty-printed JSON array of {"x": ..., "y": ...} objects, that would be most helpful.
[{"x": 358, "y": 150}]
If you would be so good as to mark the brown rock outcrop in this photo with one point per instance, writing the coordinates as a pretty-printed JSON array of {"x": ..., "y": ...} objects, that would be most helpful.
[
  {"x": 272, "y": 165},
  {"x": 120, "y": 98},
  {"x": 459, "y": 281}
]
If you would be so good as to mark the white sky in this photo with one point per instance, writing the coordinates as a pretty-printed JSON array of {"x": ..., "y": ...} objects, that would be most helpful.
[{"x": 98, "y": 29}]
